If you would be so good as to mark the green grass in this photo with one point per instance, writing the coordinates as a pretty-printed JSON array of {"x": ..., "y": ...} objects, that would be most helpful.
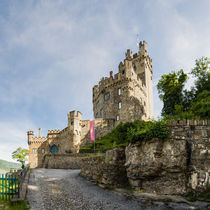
[
  {"x": 129, "y": 132},
  {"x": 20, "y": 205},
  {"x": 203, "y": 196}
]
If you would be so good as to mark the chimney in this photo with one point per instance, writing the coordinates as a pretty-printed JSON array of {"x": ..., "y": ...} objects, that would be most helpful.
[
  {"x": 39, "y": 132},
  {"x": 111, "y": 74}
]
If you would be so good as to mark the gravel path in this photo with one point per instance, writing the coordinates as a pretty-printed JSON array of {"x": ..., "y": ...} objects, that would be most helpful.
[{"x": 65, "y": 189}]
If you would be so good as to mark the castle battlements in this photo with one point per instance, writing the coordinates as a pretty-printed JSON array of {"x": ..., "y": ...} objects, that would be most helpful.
[
  {"x": 118, "y": 79},
  {"x": 128, "y": 91},
  {"x": 64, "y": 130},
  {"x": 36, "y": 138},
  {"x": 121, "y": 97},
  {"x": 56, "y": 131}
]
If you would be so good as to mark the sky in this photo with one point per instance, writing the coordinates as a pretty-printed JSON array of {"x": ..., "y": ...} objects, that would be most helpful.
[{"x": 52, "y": 52}]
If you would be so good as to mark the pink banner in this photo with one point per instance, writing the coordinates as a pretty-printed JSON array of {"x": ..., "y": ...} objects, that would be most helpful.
[{"x": 92, "y": 135}]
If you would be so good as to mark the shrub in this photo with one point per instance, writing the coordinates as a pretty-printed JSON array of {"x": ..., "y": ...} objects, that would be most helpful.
[{"x": 129, "y": 132}]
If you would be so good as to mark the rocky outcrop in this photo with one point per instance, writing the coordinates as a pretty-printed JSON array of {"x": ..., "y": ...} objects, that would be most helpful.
[
  {"x": 176, "y": 165},
  {"x": 157, "y": 166},
  {"x": 108, "y": 169}
]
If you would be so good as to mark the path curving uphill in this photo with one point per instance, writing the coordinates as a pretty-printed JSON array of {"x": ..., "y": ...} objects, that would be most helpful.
[{"x": 66, "y": 190}]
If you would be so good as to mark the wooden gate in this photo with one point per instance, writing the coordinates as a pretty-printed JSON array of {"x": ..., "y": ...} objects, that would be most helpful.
[{"x": 8, "y": 186}]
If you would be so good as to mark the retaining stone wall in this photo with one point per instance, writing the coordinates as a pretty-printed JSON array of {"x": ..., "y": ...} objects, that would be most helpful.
[
  {"x": 108, "y": 169},
  {"x": 63, "y": 161},
  {"x": 174, "y": 166}
]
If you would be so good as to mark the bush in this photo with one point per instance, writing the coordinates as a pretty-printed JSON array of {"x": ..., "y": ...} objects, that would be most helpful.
[
  {"x": 86, "y": 150},
  {"x": 129, "y": 132}
]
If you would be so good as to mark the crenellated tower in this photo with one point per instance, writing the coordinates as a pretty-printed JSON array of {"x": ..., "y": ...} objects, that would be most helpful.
[
  {"x": 74, "y": 124},
  {"x": 126, "y": 96}
]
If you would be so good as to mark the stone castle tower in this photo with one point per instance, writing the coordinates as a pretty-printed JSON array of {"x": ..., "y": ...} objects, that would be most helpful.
[{"x": 127, "y": 95}]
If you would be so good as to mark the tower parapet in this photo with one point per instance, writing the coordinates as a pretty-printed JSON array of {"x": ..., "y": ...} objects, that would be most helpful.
[
  {"x": 143, "y": 48},
  {"x": 30, "y": 135},
  {"x": 74, "y": 118},
  {"x": 127, "y": 95}
]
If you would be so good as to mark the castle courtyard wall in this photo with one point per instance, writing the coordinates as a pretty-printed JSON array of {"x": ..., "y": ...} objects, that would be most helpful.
[{"x": 63, "y": 161}]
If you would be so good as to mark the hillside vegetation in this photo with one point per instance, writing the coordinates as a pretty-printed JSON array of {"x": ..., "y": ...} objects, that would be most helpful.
[
  {"x": 129, "y": 132},
  {"x": 5, "y": 166}
]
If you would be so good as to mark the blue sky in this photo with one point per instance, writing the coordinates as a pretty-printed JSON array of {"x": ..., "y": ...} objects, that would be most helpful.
[{"x": 52, "y": 52}]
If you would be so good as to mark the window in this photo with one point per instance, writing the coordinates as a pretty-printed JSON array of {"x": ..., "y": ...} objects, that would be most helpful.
[
  {"x": 101, "y": 113},
  {"x": 106, "y": 96},
  {"x": 118, "y": 118},
  {"x": 134, "y": 68},
  {"x": 119, "y": 91},
  {"x": 97, "y": 115},
  {"x": 43, "y": 151},
  {"x": 123, "y": 71},
  {"x": 34, "y": 151},
  {"x": 72, "y": 122},
  {"x": 119, "y": 105},
  {"x": 54, "y": 149},
  {"x": 97, "y": 105}
]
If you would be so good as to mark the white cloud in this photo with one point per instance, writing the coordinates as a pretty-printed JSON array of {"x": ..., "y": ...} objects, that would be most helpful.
[
  {"x": 53, "y": 52},
  {"x": 12, "y": 136}
]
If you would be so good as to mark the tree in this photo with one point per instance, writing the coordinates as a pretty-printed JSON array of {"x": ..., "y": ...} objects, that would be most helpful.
[
  {"x": 186, "y": 104},
  {"x": 201, "y": 106},
  {"x": 170, "y": 89},
  {"x": 201, "y": 72},
  {"x": 21, "y": 155}
]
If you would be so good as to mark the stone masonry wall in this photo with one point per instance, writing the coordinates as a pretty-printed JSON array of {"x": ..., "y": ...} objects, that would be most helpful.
[
  {"x": 197, "y": 135},
  {"x": 108, "y": 169},
  {"x": 61, "y": 161},
  {"x": 174, "y": 166},
  {"x": 127, "y": 95}
]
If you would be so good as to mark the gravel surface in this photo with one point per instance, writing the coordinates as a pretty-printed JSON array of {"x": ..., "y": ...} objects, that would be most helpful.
[{"x": 65, "y": 189}]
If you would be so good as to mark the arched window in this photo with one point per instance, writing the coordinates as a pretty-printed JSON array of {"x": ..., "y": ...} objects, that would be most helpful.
[{"x": 54, "y": 149}]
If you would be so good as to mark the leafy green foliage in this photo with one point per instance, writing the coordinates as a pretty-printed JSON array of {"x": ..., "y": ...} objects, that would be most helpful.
[
  {"x": 186, "y": 104},
  {"x": 170, "y": 89},
  {"x": 201, "y": 72},
  {"x": 201, "y": 106},
  {"x": 129, "y": 132},
  {"x": 21, "y": 155}
]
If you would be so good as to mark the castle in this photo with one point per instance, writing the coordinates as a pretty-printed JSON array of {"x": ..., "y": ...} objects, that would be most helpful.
[{"x": 123, "y": 97}]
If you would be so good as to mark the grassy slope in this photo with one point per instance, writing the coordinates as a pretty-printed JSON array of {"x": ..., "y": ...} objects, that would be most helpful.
[{"x": 6, "y": 165}]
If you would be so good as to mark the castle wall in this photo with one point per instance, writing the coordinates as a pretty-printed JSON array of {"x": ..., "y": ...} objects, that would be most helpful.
[
  {"x": 123, "y": 97},
  {"x": 36, "y": 144},
  {"x": 63, "y": 161},
  {"x": 69, "y": 140},
  {"x": 102, "y": 127}
]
